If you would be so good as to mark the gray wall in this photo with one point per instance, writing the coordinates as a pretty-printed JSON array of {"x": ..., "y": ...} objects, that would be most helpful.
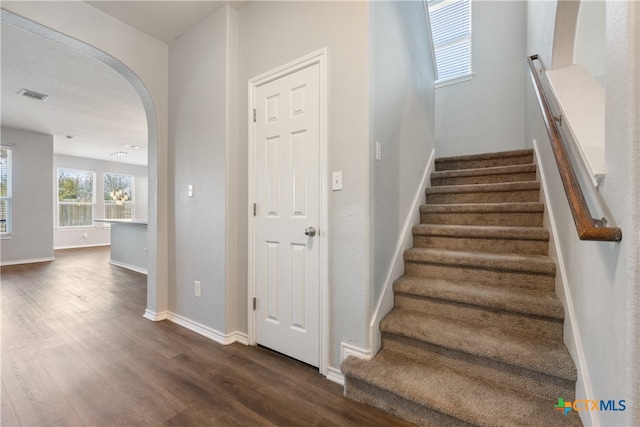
[
  {"x": 32, "y": 196},
  {"x": 272, "y": 34},
  {"x": 600, "y": 290},
  {"x": 402, "y": 110},
  {"x": 99, "y": 233},
  {"x": 486, "y": 113},
  {"x": 197, "y": 156}
]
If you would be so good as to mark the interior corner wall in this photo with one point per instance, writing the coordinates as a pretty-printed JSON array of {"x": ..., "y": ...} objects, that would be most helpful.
[
  {"x": 486, "y": 113},
  {"x": 235, "y": 270},
  {"x": 32, "y": 197},
  {"x": 197, "y": 153},
  {"x": 272, "y": 34},
  {"x": 602, "y": 298},
  {"x": 402, "y": 105}
]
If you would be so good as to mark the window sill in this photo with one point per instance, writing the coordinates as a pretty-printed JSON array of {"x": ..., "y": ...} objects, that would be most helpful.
[
  {"x": 7, "y": 236},
  {"x": 454, "y": 80}
]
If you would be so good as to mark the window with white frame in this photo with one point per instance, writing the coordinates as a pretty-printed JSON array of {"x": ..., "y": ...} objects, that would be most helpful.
[
  {"x": 451, "y": 31},
  {"x": 76, "y": 197},
  {"x": 118, "y": 196},
  {"x": 5, "y": 190}
]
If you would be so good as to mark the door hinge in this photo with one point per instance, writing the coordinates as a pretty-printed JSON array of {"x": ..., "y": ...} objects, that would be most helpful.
[
  {"x": 255, "y": 302},
  {"x": 255, "y": 209},
  {"x": 254, "y": 115}
]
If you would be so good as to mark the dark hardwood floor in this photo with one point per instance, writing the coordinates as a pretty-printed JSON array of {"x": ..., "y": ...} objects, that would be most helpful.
[{"x": 77, "y": 351}]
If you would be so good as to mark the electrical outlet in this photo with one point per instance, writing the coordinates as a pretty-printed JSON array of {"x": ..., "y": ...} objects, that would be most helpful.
[{"x": 198, "y": 288}]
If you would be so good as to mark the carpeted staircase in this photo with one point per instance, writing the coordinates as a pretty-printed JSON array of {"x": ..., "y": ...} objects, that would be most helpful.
[{"x": 475, "y": 336}]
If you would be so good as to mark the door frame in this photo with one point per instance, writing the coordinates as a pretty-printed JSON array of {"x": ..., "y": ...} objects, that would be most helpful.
[{"x": 320, "y": 57}]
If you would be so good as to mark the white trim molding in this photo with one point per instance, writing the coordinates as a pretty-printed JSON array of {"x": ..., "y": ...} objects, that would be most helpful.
[
  {"x": 396, "y": 268},
  {"x": 198, "y": 328},
  {"x": 346, "y": 350},
  {"x": 206, "y": 331},
  {"x": 26, "y": 261},
  {"x": 155, "y": 317},
  {"x": 129, "y": 267}
]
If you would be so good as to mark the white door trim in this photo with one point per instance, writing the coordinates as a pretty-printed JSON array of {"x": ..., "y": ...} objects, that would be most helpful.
[{"x": 320, "y": 57}]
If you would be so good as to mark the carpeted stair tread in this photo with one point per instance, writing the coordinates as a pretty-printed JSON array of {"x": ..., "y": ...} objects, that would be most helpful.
[
  {"x": 549, "y": 387},
  {"x": 496, "y": 170},
  {"x": 542, "y": 355},
  {"x": 471, "y": 399},
  {"x": 484, "y": 188},
  {"x": 502, "y": 192},
  {"x": 538, "y": 264},
  {"x": 483, "y": 207},
  {"x": 475, "y": 161},
  {"x": 496, "y": 239},
  {"x": 485, "y": 232},
  {"x": 517, "y": 300}
]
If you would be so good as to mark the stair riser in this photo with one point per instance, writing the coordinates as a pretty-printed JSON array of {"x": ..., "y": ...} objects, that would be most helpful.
[
  {"x": 485, "y": 197},
  {"x": 514, "y": 219},
  {"x": 519, "y": 378},
  {"x": 515, "y": 322},
  {"x": 524, "y": 247},
  {"x": 481, "y": 276},
  {"x": 486, "y": 163},
  {"x": 413, "y": 412},
  {"x": 483, "y": 179}
]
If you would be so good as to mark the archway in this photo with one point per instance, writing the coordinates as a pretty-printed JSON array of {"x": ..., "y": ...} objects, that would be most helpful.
[{"x": 153, "y": 291}]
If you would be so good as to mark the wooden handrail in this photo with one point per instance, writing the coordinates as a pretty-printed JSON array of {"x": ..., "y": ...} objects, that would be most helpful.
[{"x": 588, "y": 228}]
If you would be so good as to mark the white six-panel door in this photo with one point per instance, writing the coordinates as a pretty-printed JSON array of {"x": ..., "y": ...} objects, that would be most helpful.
[{"x": 287, "y": 194}]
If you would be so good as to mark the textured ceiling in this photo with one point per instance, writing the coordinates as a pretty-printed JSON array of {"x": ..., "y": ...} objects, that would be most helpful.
[{"x": 88, "y": 100}]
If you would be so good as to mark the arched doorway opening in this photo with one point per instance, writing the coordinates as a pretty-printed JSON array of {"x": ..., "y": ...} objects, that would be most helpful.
[{"x": 156, "y": 300}]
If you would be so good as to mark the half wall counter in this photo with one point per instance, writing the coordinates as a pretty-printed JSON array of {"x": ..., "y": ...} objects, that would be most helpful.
[{"x": 128, "y": 244}]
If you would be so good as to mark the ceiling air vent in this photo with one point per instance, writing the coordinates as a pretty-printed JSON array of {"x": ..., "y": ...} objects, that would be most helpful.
[{"x": 34, "y": 95}]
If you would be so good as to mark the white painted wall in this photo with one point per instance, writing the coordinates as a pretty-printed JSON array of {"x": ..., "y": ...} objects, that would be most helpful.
[
  {"x": 601, "y": 292},
  {"x": 143, "y": 61},
  {"x": 486, "y": 113},
  {"x": 402, "y": 110},
  {"x": 590, "y": 38},
  {"x": 272, "y": 34},
  {"x": 198, "y": 138},
  {"x": 98, "y": 234},
  {"x": 32, "y": 195}
]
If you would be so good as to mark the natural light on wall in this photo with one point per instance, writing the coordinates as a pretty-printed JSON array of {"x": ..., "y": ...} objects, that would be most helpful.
[{"x": 451, "y": 30}]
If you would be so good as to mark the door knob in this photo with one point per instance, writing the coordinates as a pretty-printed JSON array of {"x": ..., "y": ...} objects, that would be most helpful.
[{"x": 310, "y": 231}]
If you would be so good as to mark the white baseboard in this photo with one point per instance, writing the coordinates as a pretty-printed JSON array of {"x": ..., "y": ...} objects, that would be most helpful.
[
  {"x": 579, "y": 359},
  {"x": 155, "y": 317},
  {"x": 346, "y": 350},
  {"x": 129, "y": 267},
  {"x": 396, "y": 268},
  {"x": 335, "y": 375},
  {"x": 26, "y": 261},
  {"x": 206, "y": 331},
  {"x": 94, "y": 245}
]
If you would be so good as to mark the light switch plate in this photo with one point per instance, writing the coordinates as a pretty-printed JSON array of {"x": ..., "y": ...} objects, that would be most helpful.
[
  {"x": 336, "y": 181},
  {"x": 190, "y": 190}
]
